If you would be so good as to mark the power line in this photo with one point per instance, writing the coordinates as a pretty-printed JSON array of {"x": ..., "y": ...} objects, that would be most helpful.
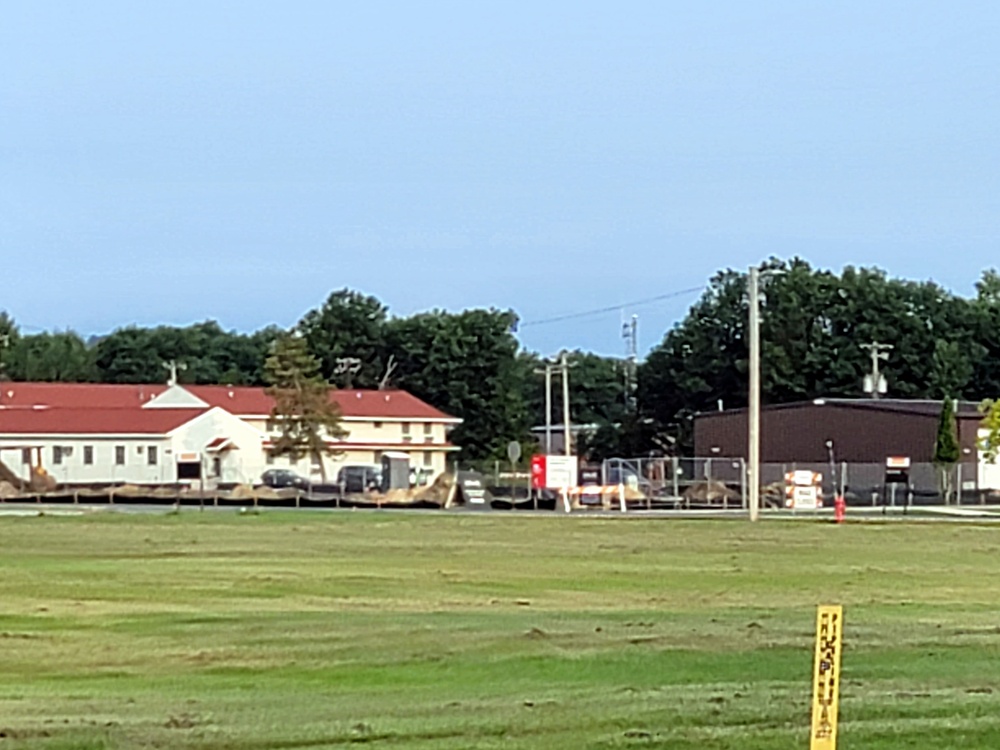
[{"x": 612, "y": 308}]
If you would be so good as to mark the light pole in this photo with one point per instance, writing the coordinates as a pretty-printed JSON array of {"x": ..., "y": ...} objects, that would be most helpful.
[{"x": 753, "y": 437}]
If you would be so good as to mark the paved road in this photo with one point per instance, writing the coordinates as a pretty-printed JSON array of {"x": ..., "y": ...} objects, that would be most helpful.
[{"x": 950, "y": 514}]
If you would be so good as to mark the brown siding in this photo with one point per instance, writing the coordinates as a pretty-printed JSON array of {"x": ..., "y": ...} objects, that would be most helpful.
[{"x": 798, "y": 433}]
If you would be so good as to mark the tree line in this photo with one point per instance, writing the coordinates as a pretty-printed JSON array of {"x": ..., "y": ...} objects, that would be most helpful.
[{"x": 470, "y": 363}]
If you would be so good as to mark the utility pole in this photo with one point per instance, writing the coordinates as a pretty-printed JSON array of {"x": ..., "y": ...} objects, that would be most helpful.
[
  {"x": 547, "y": 372},
  {"x": 754, "y": 411},
  {"x": 875, "y": 383},
  {"x": 564, "y": 366},
  {"x": 630, "y": 332}
]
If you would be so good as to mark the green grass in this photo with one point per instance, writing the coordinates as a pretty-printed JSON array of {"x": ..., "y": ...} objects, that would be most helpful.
[{"x": 317, "y": 630}]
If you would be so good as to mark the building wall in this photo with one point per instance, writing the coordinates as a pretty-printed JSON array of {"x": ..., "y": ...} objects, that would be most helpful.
[
  {"x": 243, "y": 464},
  {"x": 799, "y": 433},
  {"x": 71, "y": 466},
  {"x": 425, "y": 442},
  {"x": 435, "y": 465}
]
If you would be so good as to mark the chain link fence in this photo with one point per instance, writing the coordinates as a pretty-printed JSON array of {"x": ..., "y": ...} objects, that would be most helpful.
[{"x": 718, "y": 482}]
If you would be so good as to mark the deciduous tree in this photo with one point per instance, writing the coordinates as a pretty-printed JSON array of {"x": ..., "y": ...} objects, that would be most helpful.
[
  {"x": 347, "y": 335},
  {"x": 467, "y": 365},
  {"x": 51, "y": 357},
  {"x": 305, "y": 417}
]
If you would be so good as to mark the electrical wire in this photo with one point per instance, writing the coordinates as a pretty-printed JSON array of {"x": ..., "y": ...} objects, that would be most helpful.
[{"x": 611, "y": 308}]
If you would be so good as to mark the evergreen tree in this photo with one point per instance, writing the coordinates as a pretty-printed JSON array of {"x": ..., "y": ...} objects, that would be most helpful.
[
  {"x": 946, "y": 448},
  {"x": 303, "y": 412}
]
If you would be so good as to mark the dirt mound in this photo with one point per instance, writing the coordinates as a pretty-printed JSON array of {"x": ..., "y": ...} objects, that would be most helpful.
[
  {"x": 166, "y": 492},
  {"x": 8, "y": 491},
  {"x": 243, "y": 492},
  {"x": 710, "y": 492},
  {"x": 437, "y": 491},
  {"x": 269, "y": 493},
  {"x": 130, "y": 489},
  {"x": 396, "y": 497},
  {"x": 632, "y": 494},
  {"x": 773, "y": 495}
]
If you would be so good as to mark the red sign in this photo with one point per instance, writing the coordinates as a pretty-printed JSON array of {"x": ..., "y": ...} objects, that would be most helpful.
[{"x": 538, "y": 478}]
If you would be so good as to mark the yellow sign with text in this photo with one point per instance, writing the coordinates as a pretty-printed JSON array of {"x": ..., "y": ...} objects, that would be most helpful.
[{"x": 826, "y": 678}]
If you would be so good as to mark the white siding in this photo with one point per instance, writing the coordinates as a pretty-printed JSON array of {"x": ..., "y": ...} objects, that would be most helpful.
[{"x": 72, "y": 468}]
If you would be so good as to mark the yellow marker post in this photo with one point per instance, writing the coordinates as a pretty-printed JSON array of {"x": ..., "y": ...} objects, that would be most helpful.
[{"x": 826, "y": 678}]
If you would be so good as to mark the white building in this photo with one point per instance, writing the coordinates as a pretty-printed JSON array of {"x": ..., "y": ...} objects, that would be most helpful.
[{"x": 157, "y": 434}]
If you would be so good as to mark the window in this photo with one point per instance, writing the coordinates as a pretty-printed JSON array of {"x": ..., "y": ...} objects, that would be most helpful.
[
  {"x": 378, "y": 457},
  {"x": 88, "y": 455},
  {"x": 406, "y": 428},
  {"x": 428, "y": 428},
  {"x": 57, "y": 454},
  {"x": 119, "y": 455},
  {"x": 26, "y": 456},
  {"x": 428, "y": 458},
  {"x": 151, "y": 455},
  {"x": 217, "y": 466},
  {"x": 377, "y": 425},
  {"x": 189, "y": 469}
]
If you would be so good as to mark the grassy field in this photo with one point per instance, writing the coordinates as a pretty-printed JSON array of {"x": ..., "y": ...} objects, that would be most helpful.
[{"x": 319, "y": 630}]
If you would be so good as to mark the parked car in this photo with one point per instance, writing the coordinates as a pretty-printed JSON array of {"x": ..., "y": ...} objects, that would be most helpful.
[
  {"x": 360, "y": 478},
  {"x": 278, "y": 478}
]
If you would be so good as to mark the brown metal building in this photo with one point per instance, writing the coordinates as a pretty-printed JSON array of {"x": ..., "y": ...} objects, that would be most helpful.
[{"x": 862, "y": 431}]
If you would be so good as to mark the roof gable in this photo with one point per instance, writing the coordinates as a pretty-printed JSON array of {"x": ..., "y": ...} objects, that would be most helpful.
[{"x": 175, "y": 397}]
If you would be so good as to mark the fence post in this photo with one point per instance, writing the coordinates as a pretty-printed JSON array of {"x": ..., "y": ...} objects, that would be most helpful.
[{"x": 743, "y": 483}]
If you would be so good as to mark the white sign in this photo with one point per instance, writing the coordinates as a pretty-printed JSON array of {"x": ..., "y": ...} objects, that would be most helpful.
[
  {"x": 803, "y": 489},
  {"x": 560, "y": 472},
  {"x": 803, "y": 478}
]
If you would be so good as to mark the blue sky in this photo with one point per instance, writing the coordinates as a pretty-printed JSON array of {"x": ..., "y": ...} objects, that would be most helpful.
[{"x": 240, "y": 160}]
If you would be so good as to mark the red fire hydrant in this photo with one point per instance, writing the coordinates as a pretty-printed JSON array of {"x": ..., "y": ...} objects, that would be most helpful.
[{"x": 839, "y": 509}]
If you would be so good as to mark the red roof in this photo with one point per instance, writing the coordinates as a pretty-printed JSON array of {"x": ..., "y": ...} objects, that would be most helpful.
[
  {"x": 249, "y": 401},
  {"x": 77, "y": 395},
  {"x": 93, "y": 421},
  {"x": 239, "y": 400}
]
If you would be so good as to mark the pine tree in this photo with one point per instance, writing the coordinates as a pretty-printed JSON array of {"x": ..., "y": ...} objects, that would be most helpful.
[
  {"x": 946, "y": 448},
  {"x": 303, "y": 412}
]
